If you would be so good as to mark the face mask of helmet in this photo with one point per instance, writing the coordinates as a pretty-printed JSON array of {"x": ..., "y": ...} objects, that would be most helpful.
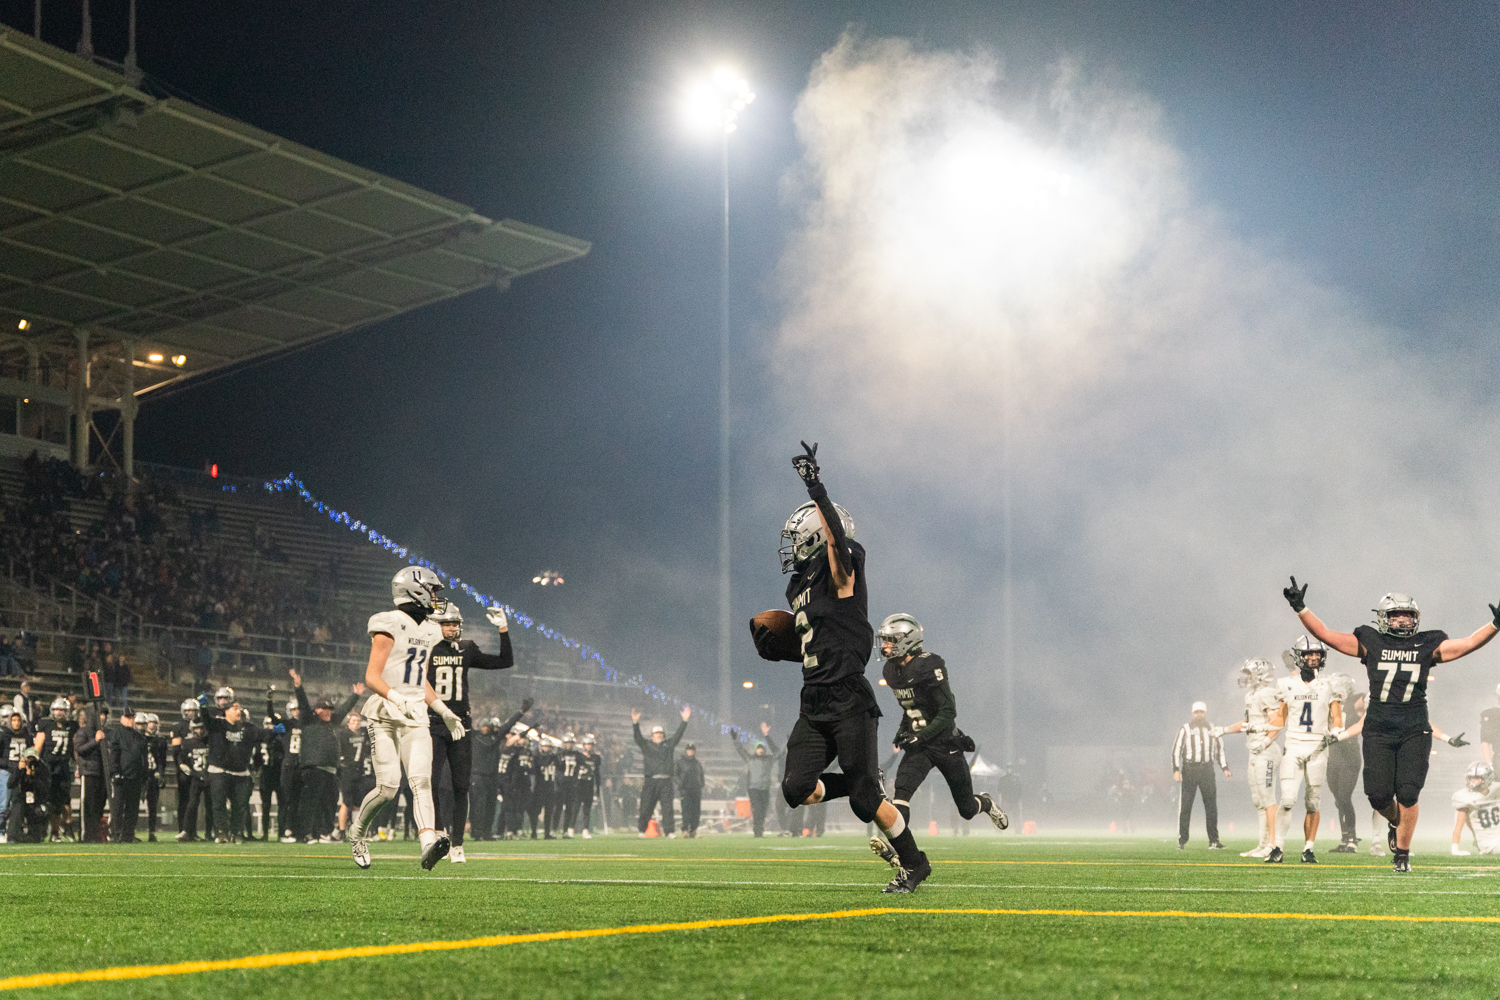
[
  {"x": 1403, "y": 609},
  {"x": 899, "y": 636},
  {"x": 802, "y": 539}
]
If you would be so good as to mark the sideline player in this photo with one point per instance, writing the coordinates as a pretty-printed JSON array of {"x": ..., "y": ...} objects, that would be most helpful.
[
  {"x": 839, "y": 717},
  {"x": 54, "y": 745},
  {"x": 1258, "y": 678},
  {"x": 1308, "y": 709},
  {"x": 400, "y": 643},
  {"x": 1479, "y": 802},
  {"x": 928, "y": 732},
  {"x": 448, "y": 674},
  {"x": 1397, "y": 735}
]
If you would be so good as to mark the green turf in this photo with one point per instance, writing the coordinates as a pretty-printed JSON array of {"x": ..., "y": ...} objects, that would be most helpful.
[{"x": 69, "y": 908}]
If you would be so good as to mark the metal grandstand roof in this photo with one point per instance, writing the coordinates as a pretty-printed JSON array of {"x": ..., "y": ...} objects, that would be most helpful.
[{"x": 194, "y": 235}]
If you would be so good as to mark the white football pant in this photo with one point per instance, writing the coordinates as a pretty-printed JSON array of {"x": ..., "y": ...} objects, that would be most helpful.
[
  {"x": 1262, "y": 772},
  {"x": 396, "y": 743}
]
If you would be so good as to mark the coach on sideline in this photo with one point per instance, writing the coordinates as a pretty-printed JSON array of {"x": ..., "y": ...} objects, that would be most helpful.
[{"x": 1195, "y": 753}]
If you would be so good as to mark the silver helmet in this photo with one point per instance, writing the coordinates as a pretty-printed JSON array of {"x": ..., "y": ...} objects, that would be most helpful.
[
  {"x": 292, "y": 705},
  {"x": 1256, "y": 674},
  {"x": 449, "y": 614},
  {"x": 1480, "y": 775},
  {"x": 1296, "y": 657},
  {"x": 60, "y": 708},
  {"x": 416, "y": 585},
  {"x": 189, "y": 707},
  {"x": 898, "y": 635},
  {"x": 224, "y": 694},
  {"x": 802, "y": 538},
  {"x": 1392, "y": 603}
]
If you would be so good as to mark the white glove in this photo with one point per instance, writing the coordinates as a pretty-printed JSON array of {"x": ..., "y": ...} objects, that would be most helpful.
[
  {"x": 496, "y": 615},
  {"x": 405, "y": 707},
  {"x": 1216, "y": 732},
  {"x": 455, "y": 727},
  {"x": 1458, "y": 852}
]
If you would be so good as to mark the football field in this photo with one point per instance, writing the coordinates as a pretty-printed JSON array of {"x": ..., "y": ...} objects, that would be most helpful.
[{"x": 735, "y": 917}]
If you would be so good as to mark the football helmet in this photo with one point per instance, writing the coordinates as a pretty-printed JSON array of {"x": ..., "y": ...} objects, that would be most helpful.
[
  {"x": 1256, "y": 673},
  {"x": 568, "y": 739},
  {"x": 416, "y": 585},
  {"x": 802, "y": 538},
  {"x": 189, "y": 707},
  {"x": 1392, "y": 603},
  {"x": 1343, "y": 690},
  {"x": 224, "y": 694},
  {"x": 449, "y": 614},
  {"x": 897, "y": 636},
  {"x": 533, "y": 736},
  {"x": 60, "y": 708},
  {"x": 1302, "y": 648},
  {"x": 1480, "y": 775},
  {"x": 292, "y": 706},
  {"x": 588, "y": 739}
]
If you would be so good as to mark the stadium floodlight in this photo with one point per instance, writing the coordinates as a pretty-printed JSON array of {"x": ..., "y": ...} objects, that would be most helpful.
[
  {"x": 548, "y": 578},
  {"x": 748, "y": 685},
  {"x": 23, "y": 325},
  {"x": 716, "y": 103},
  {"x": 179, "y": 360},
  {"x": 155, "y": 357}
]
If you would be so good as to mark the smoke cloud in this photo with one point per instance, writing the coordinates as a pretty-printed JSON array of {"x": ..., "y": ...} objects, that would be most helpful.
[{"x": 1004, "y": 293}]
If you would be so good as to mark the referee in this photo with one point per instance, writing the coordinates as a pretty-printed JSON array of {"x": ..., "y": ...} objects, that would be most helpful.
[{"x": 1195, "y": 754}]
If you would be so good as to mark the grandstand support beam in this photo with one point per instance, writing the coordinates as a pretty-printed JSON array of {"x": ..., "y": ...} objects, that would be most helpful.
[
  {"x": 81, "y": 401},
  {"x": 128, "y": 406},
  {"x": 33, "y": 362}
]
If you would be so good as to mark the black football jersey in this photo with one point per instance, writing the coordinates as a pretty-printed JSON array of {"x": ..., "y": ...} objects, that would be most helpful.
[
  {"x": 836, "y": 632},
  {"x": 195, "y": 755},
  {"x": 568, "y": 764},
  {"x": 546, "y": 768},
  {"x": 448, "y": 672},
  {"x": 589, "y": 765},
  {"x": 58, "y": 748},
  {"x": 12, "y": 743},
  {"x": 1398, "y": 667},
  {"x": 921, "y": 686}
]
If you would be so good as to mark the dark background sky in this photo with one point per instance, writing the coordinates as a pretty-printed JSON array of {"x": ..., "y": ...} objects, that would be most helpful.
[{"x": 571, "y": 422}]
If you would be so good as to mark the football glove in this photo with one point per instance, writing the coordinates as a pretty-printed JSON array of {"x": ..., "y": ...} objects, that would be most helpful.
[
  {"x": 1495, "y": 611},
  {"x": 1458, "y": 741},
  {"x": 807, "y": 464},
  {"x": 1296, "y": 596},
  {"x": 1216, "y": 731},
  {"x": 406, "y": 708},
  {"x": 497, "y": 618},
  {"x": 455, "y": 727},
  {"x": 1329, "y": 740}
]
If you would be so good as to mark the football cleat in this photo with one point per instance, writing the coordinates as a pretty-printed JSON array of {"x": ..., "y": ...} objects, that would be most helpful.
[
  {"x": 1216, "y": 846},
  {"x": 456, "y": 855},
  {"x": 1458, "y": 852},
  {"x": 1376, "y": 849},
  {"x": 885, "y": 852},
  {"x": 1390, "y": 838},
  {"x": 1258, "y": 851},
  {"x": 907, "y": 879},
  {"x": 1344, "y": 848},
  {"x": 1274, "y": 857},
  {"x": 1402, "y": 863},
  {"x": 587, "y": 836},
  {"x": 361, "y": 852},
  {"x": 995, "y": 813},
  {"x": 435, "y": 852},
  {"x": 568, "y": 834},
  {"x": 1308, "y": 857},
  {"x": 182, "y": 835}
]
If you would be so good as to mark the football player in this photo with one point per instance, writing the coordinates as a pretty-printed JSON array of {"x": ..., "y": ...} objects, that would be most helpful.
[
  {"x": 1478, "y": 803},
  {"x": 1308, "y": 709},
  {"x": 928, "y": 733},
  {"x": 544, "y": 788},
  {"x": 838, "y": 716},
  {"x": 590, "y": 766},
  {"x": 401, "y": 641},
  {"x": 1258, "y": 678},
  {"x": 181, "y": 731},
  {"x": 1344, "y": 763},
  {"x": 54, "y": 747},
  {"x": 567, "y": 782},
  {"x": 1489, "y": 730},
  {"x": 448, "y": 674},
  {"x": 157, "y": 744},
  {"x": 1397, "y": 735}
]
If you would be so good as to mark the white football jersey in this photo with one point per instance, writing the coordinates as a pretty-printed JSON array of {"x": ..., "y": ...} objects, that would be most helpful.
[
  {"x": 406, "y": 667},
  {"x": 1484, "y": 815},
  {"x": 1260, "y": 704},
  {"x": 1308, "y": 705}
]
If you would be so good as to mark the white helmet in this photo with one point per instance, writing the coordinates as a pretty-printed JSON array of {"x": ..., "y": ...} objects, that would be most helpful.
[
  {"x": 1391, "y": 603},
  {"x": 189, "y": 706},
  {"x": 60, "y": 708},
  {"x": 226, "y": 693},
  {"x": 449, "y": 614},
  {"x": 1296, "y": 657},
  {"x": 802, "y": 538},
  {"x": 1480, "y": 775},
  {"x": 291, "y": 705},
  {"x": 416, "y": 585},
  {"x": 902, "y": 632},
  {"x": 1256, "y": 673}
]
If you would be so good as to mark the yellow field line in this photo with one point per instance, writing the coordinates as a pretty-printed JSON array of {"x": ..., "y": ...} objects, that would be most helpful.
[{"x": 415, "y": 947}]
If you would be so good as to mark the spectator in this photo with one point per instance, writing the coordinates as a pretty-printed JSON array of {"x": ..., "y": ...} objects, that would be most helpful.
[
  {"x": 28, "y": 709},
  {"x": 90, "y": 753},
  {"x": 29, "y": 789},
  {"x": 656, "y": 768},
  {"x": 1489, "y": 730},
  {"x": 128, "y": 771},
  {"x": 690, "y": 781},
  {"x": 1195, "y": 753},
  {"x": 203, "y": 665},
  {"x": 15, "y": 738},
  {"x": 26, "y": 650},
  {"x": 9, "y": 665},
  {"x": 760, "y": 775}
]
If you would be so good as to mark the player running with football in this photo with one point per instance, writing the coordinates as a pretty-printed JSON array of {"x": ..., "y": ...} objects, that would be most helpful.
[
  {"x": 401, "y": 642},
  {"x": 1397, "y": 734},
  {"x": 448, "y": 675},
  {"x": 928, "y": 732},
  {"x": 839, "y": 717}
]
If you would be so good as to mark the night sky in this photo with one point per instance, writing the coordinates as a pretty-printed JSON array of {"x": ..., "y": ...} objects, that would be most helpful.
[{"x": 571, "y": 423}]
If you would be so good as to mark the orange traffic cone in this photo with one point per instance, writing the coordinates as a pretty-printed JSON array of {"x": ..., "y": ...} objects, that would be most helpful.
[
  {"x": 653, "y": 828},
  {"x": 932, "y": 828},
  {"x": 1028, "y": 827}
]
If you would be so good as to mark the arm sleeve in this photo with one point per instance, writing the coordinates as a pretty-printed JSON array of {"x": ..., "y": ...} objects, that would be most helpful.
[
  {"x": 1219, "y": 753},
  {"x": 640, "y": 740},
  {"x": 302, "y": 703},
  {"x": 1177, "y": 749},
  {"x": 740, "y": 749},
  {"x": 677, "y": 736},
  {"x": 344, "y": 709},
  {"x": 943, "y": 721},
  {"x": 819, "y": 494},
  {"x": 503, "y": 660},
  {"x": 510, "y": 722}
]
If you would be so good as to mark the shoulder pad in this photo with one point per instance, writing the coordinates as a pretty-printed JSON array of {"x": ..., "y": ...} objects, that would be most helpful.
[
  {"x": 1464, "y": 799},
  {"x": 389, "y": 622},
  {"x": 929, "y": 669}
]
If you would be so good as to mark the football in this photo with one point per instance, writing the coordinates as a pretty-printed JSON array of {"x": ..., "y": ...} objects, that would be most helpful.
[{"x": 775, "y": 635}]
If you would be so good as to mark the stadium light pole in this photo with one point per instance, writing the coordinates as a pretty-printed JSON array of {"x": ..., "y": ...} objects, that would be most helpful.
[{"x": 717, "y": 103}]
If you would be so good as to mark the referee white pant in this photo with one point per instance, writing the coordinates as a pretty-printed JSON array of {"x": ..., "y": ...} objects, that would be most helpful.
[{"x": 396, "y": 743}]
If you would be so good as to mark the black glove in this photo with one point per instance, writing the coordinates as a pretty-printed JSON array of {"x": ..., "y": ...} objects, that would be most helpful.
[
  {"x": 526, "y": 705},
  {"x": 910, "y": 739},
  {"x": 807, "y": 465},
  {"x": 1296, "y": 597},
  {"x": 1495, "y": 610},
  {"x": 1458, "y": 741}
]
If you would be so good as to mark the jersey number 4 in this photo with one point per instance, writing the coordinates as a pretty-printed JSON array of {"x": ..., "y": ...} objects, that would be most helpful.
[
  {"x": 415, "y": 657},
  {"x": 1306, "y": 720}
]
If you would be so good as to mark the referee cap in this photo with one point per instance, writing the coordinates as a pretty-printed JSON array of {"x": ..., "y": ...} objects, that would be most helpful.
[{"x": 1199, "y": 706}]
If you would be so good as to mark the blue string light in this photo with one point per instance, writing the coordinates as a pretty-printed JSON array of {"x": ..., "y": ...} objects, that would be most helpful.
[{"x": 291, "y": 484}]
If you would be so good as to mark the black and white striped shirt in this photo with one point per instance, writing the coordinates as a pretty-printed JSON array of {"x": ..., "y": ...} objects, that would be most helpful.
[{"x": 1195, "y": 746}]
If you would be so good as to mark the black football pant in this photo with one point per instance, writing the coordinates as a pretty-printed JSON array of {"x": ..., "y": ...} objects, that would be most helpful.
[
  {"x": 320, "y": 801},
  {"x": 1396, "y": 764},
  {"x": 760, "y": 802},
  {"x": 153, "y": 800},
  {"x": 583, "y": 806},
  {"x": 184, "y": 789},
  {"x": 656, "y": 790},
  {"x": 125, "y": 808},
  {"x": 567, "y": 802},
  {"x": 543, "y": 808},
  {"x": 291, "y": 797},
  {"x": 854, "y": 741},
  {"x": 516, "y": 805},
  {"x": 197, "y": 793},
  {"x": 93, "y": 808},
  {"x": 692, "y": 806},
  {"x": 452, "y": 768},
  {"x": 233, "y": 790},
  {"x": 1344, "y": 764},
  {"x": 1198, "y": 778},
  {"x": 949, "y": 759},
  {"x": 482, "y": 810},
  {"x": 270, "y": 787}
]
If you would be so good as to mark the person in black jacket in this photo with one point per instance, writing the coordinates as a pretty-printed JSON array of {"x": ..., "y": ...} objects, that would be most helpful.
[
  {"x": 690, "y": 782},
  {"x": 484, "y": 785},
  {"x": 128, "y": 770},
  {"x": 320, "y": 758},
  {"x": 89, "y": 750},
  {"x": 656, "y": 766},
  {"x": 29, "y": 788},
  {"x": 192, "y": 758},
  {"x": 158, "y": 746},
  {"x": 231, "y": 746}
]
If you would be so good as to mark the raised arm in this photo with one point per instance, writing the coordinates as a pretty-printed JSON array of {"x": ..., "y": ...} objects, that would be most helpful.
[
  {"x": 1342, "y": 641},
  {"x": 840, "y": 561},
  {"x": 1452, "y": 649}
]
